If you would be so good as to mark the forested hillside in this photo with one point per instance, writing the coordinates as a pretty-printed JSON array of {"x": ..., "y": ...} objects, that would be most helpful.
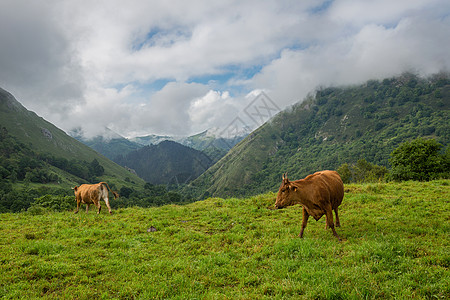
[
  {"x": 337, "y": 125},
  {"x": 166, "y": 163},
  {"x": 37, "y": 158}
]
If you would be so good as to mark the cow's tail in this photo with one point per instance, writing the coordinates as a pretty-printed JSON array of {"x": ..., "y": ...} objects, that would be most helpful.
[{"x": 116, "y": 195}]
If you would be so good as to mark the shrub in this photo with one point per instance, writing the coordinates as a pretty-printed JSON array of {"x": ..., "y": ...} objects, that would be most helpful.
[
  {"x": 52, "y": 202},
  {"x": 419, "y": 159},
  {"x": 362, "y": 171}
]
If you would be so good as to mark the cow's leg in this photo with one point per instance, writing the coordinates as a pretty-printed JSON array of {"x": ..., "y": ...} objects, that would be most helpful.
[
  {"x": 78, "y": 207},
  {"x": 304, "y": 222},
  {"x": 330, "y": 223},
  {"x": 87, "y": 207},
  {"x": 107, "y": 204},
  {"x": 97, "y": 203},
  {"x": 338, "y": 223}
]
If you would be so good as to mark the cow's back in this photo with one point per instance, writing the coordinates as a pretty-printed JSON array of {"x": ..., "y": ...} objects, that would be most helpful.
[
  {"x": 335, "y": 186},
  {"x": 89, "y": 193}
]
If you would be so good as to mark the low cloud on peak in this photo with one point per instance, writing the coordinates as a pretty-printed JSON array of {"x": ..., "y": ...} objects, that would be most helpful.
[{"x": 181, "y": 67}]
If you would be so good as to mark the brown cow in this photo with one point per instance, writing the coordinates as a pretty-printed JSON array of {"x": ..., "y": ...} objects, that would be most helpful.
[
  {"x": 319, "y": 194},
  {"x": 92, "y": 194}
]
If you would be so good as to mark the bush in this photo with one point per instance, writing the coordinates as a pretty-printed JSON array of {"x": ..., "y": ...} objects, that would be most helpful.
[
  {"x": 362, "y": 171},
  {"x": 54, "y": 203},
  {"x": 420, "y": 160},
  {"x": 36, "y": 210}
]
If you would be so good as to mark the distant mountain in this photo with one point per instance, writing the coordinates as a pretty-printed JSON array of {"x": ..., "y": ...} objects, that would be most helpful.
[
  {"x": 115, "y": 147},
  {"x": 166, "y": 163},
  {"x": 32, "y": 145},
  {"x": 212, "y": 145},
  {"x": 210, "y": 138},
  {"x": 109, "y": 143},
  {"x": 338, "y": 125},
  {"x": 200, "y": 141},
  {"x": 152, "y": 139}
]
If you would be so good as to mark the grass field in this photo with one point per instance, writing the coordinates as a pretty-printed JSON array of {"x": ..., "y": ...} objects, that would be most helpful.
[{"x": 396, "y": 244}]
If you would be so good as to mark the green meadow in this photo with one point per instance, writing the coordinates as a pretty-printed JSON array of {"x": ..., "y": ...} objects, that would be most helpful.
[{"x": 396, "y": 244}]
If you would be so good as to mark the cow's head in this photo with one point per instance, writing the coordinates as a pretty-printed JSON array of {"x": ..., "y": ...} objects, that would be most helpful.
[
  {"x": 75, "y": 189},
  {"x": 286, "y": 193}
]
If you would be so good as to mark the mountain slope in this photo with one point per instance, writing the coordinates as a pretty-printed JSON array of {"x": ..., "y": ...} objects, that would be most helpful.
[
  {"x": 109, "y": 143},
  {"x": 50, "y": 143},
  {"x": 166, "y": 163},
  {"x": 338, "y": 125}
]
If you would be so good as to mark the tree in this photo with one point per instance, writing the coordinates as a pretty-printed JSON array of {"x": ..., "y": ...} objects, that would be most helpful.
[
  {"x": 419, "y": 159},
  {"x": 95, "y": 169},
  {"x": 125, "y": 192},
  {"x": 345, "y": 172},
  {"x": 362, "y": 171}
]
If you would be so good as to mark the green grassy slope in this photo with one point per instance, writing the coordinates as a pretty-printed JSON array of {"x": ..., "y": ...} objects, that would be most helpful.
[
  {"x": 395, "y": 245},
  {"x": 338, "y": 125},
  {"x": 45, "y": 138}
]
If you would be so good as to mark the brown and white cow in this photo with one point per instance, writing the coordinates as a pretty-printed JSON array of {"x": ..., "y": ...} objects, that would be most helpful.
[
  {"x": 92, "y": 194},
  {"x": 318, "y": 193}
]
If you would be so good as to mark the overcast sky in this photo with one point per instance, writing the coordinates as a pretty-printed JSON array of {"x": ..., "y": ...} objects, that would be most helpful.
[{"x": 180, "y": 67}]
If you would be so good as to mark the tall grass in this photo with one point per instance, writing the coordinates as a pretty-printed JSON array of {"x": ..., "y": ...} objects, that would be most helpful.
[{"x": 395, "y": 245}]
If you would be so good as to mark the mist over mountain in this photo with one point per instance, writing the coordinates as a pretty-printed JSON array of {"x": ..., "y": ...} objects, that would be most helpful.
[
  {"x": 201, "y": 141},
  {"x": 109, "y": 143}
]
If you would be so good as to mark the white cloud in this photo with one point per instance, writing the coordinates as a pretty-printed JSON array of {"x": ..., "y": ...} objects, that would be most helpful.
[
  {"x": 37, "y": 62},
  {"x": 213, "y": 110},
  {"x": 152, "y": 66},
  {"x": 168, "y": 110},
  {"x": 417, "y": 44}
]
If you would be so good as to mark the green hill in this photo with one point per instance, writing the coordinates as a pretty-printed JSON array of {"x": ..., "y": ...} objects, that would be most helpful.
[
  {"x": 35, "y": 152},
  {"x": 395, "y": 246},
  {"x": 338, "y": 125},
  {"x": 166, "y": 163}
]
